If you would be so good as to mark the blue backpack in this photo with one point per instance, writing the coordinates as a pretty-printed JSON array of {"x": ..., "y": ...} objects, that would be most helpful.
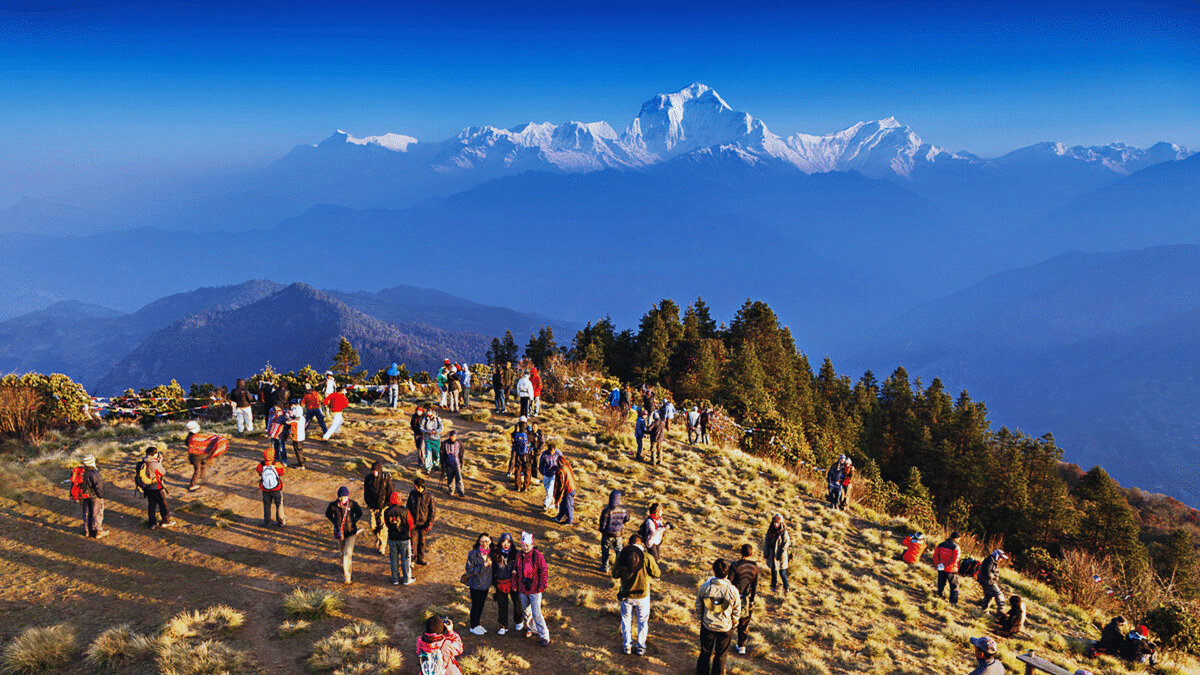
[{"x": 521, "y": 443}]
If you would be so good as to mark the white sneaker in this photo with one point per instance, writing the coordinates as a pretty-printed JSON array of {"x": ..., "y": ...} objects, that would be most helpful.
[
  {"x": 479, "y": 630},
  {"x": 501, "y": 631},
  {"x": 741, "y": 650},
  {"x": 520, "y": 626},
  {"x": 410, "y": 581}
]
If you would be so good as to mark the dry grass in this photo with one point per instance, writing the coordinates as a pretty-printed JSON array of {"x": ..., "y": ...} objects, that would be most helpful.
[
  {"x": 385, "y": 662},
  {"x": 488, "y": 661},
  {"x": 311, "y": 603},
  {"x": 288, "y": 628},
  {"x": 344, "y": 645},
  {"x": 205, "y": 658},
  {"x": 202, "y": 624},
  {"x": 118, "y": 646},
  {"x": 37, "y": 649}
]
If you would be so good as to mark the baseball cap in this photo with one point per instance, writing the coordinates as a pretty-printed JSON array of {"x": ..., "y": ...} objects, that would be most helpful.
[{"x": 984, "y": 644}]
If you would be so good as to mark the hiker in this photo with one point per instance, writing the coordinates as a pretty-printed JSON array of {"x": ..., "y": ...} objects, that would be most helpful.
[
  {"x": 478, "y": 578},
  {"x": 657, "y": 431},
  {"x": 420, "y": 505},
  {"x": 705, "y": 421},
  {"x": 1111, "y": 637},
  {"x": 452, "y": 450},
  {"x": 520, "y": 457},
  {"x": 400, "y": 527},
  {"x": 989, "y": 580},
  {"x": 312, "y": 407},
  {"x": 393, "y": 385},
  {"x": 667, "y": 411},
  {"x": 441, "y": 383},
  {"x": 344, "y": 513},
  {"x": 612, "y": 528},
  {"x": 776, "y": 550},
  {"x": 525, "y": 393},
  {"x": 504, "y": 560},
  {"x": 464, "y": 374},
  {"x": 847, "y": 474},
  {"x": 266, "y": 395},
  {"x": 1014, "y": 622},
  {"x": 270, "y": 484},
  {"x": 693, "y": 425},
  {"x": 377, "y": 492},
  {"x": 834, "y": 479},
  {"x": 535, "y": 381},
  {"x": 431, "y": 430},
  {"x": 635, "y": 568},
  {"x": 282, "y": 395},
  {"x": 437, "y": 648},
  {"x": 87, "y": 487},
  {"x": 653, "y": 529},
  {"x": 945, "y": 559},
  {"x": 548, "y": 463},
  {"x": 1137, "y": 647},
  {"x": 296, "y": 426},
  {"x": 454, "y": 388},
  {"x": 149, "y": 479},
  {"x": 717, "y": 606},
  {"x": 531, "y": 574},
  {"x": 743, "y": 574},
  {"x": 414, "y": 423},
  {"x": 639, "y": 432},
  {"x": 537, "y": 445},
  {"x": 330, "y": 384},
  {"x": 508, "y": 378},
  {"x": 914, "y": 546},
  {"x": 242, "y": 399},
  {"x": 498, "y": 388},
  {"x": 614, "y": 398},
  {"x": 985, "y": 653},
  {"x": 278, "y": 430},
  {"x": 197, "y": 454},
  {"x": 564, "y": 492},
  {"x": 337, "y": 402}
]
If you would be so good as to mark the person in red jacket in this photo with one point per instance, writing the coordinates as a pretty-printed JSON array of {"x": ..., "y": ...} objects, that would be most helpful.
[
  {"x": 337, "y": 402},
  {"x": 535, "y": 378},
  {"x": 914, "y": 546},
  {"x": 270, "y": 483},
  {"x": 312, "y": 407},
  {"x": 945, "y": 559},
  {"x": 438, "y": 647}
]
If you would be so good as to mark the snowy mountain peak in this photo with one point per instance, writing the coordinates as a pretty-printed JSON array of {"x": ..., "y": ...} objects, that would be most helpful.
[
  {"x": 394, "y": 142},
  {"x": 692, "y": 118}
]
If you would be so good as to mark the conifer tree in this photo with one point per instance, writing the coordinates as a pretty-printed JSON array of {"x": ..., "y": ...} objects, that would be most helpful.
[
  {"x": 541, "y": 346},
  {"x": 1177, "y": 564},
  {"x": 346, "y": 357},
  {"x": 1108, "y": 526}
]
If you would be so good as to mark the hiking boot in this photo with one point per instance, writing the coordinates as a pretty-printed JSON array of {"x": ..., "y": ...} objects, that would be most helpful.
[{"x": 169, "y": 523}]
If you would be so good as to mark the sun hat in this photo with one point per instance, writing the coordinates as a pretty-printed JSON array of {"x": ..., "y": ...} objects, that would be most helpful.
[
  {"x": 89, "y": 460},
  {"x": 193, "y": 426}
]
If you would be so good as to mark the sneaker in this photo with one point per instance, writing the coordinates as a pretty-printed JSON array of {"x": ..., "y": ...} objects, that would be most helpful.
[
  {"x": 479, "y": 630},
  {"x": 395, "y": 583},
  {"x": 628, "y": 650},
  {"x": 520, "y": 627},
  {"x": 409, "y": 582},
  {"x": 101, "y": 534},
  {"x": 501, "y": 631},
  {"x": 544, "y": 643},
  {"x": 169, "y": 523},
  {"x": 741, "y": 649},
  {"x": 528, "y": 633},
  {"x": 193, "y": 488},
  {"x": 639, "y": 651}
]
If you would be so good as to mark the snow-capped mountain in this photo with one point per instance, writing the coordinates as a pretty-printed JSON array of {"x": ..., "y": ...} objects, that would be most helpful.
[{"x": 1116, "y": 157}]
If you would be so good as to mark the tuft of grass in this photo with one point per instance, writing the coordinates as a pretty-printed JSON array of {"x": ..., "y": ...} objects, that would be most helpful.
[
  {"x": 345, "y": 644},
  {"x": 802, "y": 664},
  {"x": 385, "y": 662},
  {"x": 488, "y": 661},
  {"x": 293, "y": 627},
  {"x": 477, "y": 415},
  {"x": 205, "y": 658},
  {"x": 37, "y": 649},
  {"x": 311, "y": 603},
  {"x": 118, "y": 646},
  {"x": 202, "y": 624}
]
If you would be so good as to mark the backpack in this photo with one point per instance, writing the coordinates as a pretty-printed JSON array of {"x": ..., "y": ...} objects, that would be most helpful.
[
  {"x": 142, "y": 478},
  {"x": 714, "y": 607},
  {"x": 432, "y": 663},
  {"x": 521, "y": 443},
  {"x": 270, "y": 477},
  {"x": 968, "y": 567},
  {"x": 644, "y": 532},
  {"x": 78, "y": 491}
]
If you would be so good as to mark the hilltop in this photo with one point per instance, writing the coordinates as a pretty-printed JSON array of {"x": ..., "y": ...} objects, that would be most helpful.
[{"x": 853, "y": 608}]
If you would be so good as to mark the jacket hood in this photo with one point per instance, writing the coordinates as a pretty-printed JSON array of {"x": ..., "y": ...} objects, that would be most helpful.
[
  {"x": 430, "y": 642},
  {"x": 614, "y": 499}
]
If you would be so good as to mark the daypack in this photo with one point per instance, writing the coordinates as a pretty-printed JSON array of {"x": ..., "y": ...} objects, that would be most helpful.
[
  {"x": 715, "y": 607},
  {"x": 78, "y": 491},
  {"x": 521, "y": 443},
  {"x": 968, "y": 567},
  {"x": 142, "y": 478},
  {"x": 432, "y": 663},
  {"x": 270, "y": 477},
  {"x": 644, "y": 532}
]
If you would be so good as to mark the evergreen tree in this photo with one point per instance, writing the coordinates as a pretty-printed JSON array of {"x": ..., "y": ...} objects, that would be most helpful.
[
  {"x": 1176, "y": 563},
  {"x": 1108, "y": 526},
  {"x": 346, "y": 357},
  {"x": 541, "y": 346}
]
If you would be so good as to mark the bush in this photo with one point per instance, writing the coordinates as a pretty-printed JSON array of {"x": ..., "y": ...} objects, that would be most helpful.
[
  {"x": 117, "y": 646},
  {"x": 1176, "y": 626},
  {"x": 205, "y": 658},
  {"x": 338, "y": 649},
  {"x": 311, "y": 603},
  {"x": 37, "y": 649},
  {"x": 204, "y": 624},
  {"x": 33, "y": 403}
]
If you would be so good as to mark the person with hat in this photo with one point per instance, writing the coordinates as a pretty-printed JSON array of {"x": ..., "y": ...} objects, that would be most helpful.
[
  {"x": 639, "y": 432},
  {"x": 914, "y": 546},
  {"x": 337, "y": 402},
  {"x": 270, "y": 483},
  {"x": 420, "y": 505},
  {"x": 520, "y": 456},
  {"x": 985, "y": 654},
  {"x": 312, "y": 407},
  {"x": 548, "y": 462},
  {"x": 438, "y": 647},
  {"x": 532, "y": 578},
  {"x": 525, "y": 393},
  {"x": 431, "y": 430},
  {"x": 197, "y": 455},
  {"x": 564, "y": 491},
  {"x": 989, "y": 580},
  {"x": 297, "y": 423},
  {"x": 443, "y": 372},
  {"x": 344, "y": 513},
  {"x": 945, "y": 559},
  {"x": 1138, "y": 648},
  {"x": 400, "y": 527},
  {"x": 1111, "y": 637},
  {"x": 452, "y": 450},
  {"x": 393, "y": 385},
  {"x": 149, "y": 478},
  {"x": 377, "y": 489},
  {"x": 330, "y": 386},
  {"x": 777, "y": 547},
  {"x": 535, "y": 381},
  {"x": 453, "y": 388},
  {"x": 92, "y": 500},
  {"x": 667, "y": 412}
]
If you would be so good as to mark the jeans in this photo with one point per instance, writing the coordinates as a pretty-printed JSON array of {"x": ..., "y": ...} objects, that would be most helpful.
[
  {"x": 548, "y": 483},
  {"x": 639, "y": 608},
  {"x": 432, "y": 453},
  {"x": 779, "y": 574},
  {"x": 346, "y": 548},
  {"x": 245, "y": 419},
  {"x": 315, "y": 413},
  {"x": 524, "y": 406},
  {"x": 532, "y": 604},
  {"x": 713, "y": 646},
  {"x": 269, "y": 498},
  {"x": 948, "y": 578},
  {"x": 280, "y": 445},
  {"x": 454, "y": 480},
  {"x": 400, "y": 553},
  {"x": 608, "y": 542},
  {"x": 500, "y": 401},
  {"x": 639, "y": 448},
  {"x": 502, "y": 602},
  {"x": 156, "y": 502},
  {"x": 393, "y": 395},
  {"x": 93, "y": 515},
  {"x": 334, "y": 425},
  {"x": 418, "y": 539}
]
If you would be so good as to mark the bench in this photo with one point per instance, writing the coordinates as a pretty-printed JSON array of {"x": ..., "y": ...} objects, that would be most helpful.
[{"x": 1033, "y": 663}]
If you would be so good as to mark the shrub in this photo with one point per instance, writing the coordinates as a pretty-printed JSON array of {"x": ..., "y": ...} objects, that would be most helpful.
[
  {"x": 292, "y": 627},
  {"x": 338, "y": 649},
  {"x": 202, "y": 624},
  {"x": 487, "y": 661},
  {"x": 385, "y": 662},
  {"x": 1176, "y": 626},
  {"x": 33, "y": 403},
  {"x": 205, "y": 658},
  {"x": 37, "y": 649},
  {"x": 311, "y": 603},
  {"x": 117, "y": 646}
]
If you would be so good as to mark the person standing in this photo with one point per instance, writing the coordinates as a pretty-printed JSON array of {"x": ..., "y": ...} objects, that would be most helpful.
[
  {"x": 693, "y": 425},
  {"x": 532, "y": 579},
  {"x": 668, "y": 414},
  {"x": 242, "y": 411},
  {"x": 312, "y": 407},
  {"x": 344, "y": 513},
  {"x": 279, "y": 430},
  {"x": 639, "y": 432},
  {"x": 464, "y": 376},
  {"x": 834, "y": 478},
  {"x": 400, "y": 527},
  {"x": 537, "y": 445},
  {"x": 91, "y": 498},
  {"x": 535, "y": 381},
  {"x": 521, "y": 458},
  {"x": 266, "y": 395},
  {"x": 989, "y": 580},
  {"x": 393, "y": 385},
  {"x": 197, "y": 455},
  {"x": 270, "y": 484},
  {"x": 454, "y": 387},
  {"x": 478, "y": 576},
  {"x": 504, "y": 562},
  {"x": 337, "y": 402},
  {"x": 635, "y": 568},
  {"x": 945, "y": 559},
  {"x": 612, "y": 528},
  {"x": 420, "y": 505},
  {"x": 525, "y": 394},
  {"x": 777, "y": 547},
  {"x": 414, "y": 423},
  {"x": 150, "y": 474},
  {"x": 452, "y": 450},
  {"x": 705, "y": 421},
  {"x": 717, "y": 607},
  {"x": 296, "y": 427},
  {"x": 658, "y": 432},
  {"x": 508, "y": 378},
  {"x": 498, "y": 388},
  {"x": 441, "y": 383},
  {"x": 743, "y": 574},
  {"x": 377, "y": 493},
  {"x": 614, "y": 398},
  {"x": 431, "y": 431},
  {"x": 548, "y": 463},
  {"x": 653, "y": 529},
  {"x": 847, "y": 476},
  {"x": 564, "y": 492}
]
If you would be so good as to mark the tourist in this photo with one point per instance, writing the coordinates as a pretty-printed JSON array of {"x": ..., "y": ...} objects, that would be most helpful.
[{"x": 344, "y": 513}]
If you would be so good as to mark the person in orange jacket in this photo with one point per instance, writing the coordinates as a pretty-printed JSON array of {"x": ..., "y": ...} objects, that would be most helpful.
[
  {"x": 914, "y": 546},
  {"x": 270, "y": 482},
  {"x": 945, "y": 559}
]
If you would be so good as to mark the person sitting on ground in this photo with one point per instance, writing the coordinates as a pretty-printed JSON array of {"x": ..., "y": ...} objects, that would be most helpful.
[
  {"x": 985, "y": 654},
  {"x": 1014, "y": 622},
  {"x": 438, "y": 647},
  {"x": 914, "y": 546},
  {"x": 1138, "y": 648},
  {"x": 1111, "y": 637}
]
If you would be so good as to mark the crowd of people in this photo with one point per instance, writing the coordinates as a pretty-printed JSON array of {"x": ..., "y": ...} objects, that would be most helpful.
[{"x": 514, "y": 572}]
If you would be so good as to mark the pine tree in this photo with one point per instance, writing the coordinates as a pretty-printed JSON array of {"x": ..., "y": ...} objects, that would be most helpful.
[
  {"x": 541, "y": 346},
  {"x": 1108, "y": 526},
  {"x": 1177, "y": 563},
  {"x": 346, "y": 357}
]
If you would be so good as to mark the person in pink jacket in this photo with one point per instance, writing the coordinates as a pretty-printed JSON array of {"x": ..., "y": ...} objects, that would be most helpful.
[
  {"x": 535, "y": 378},
  {"x": 437, "y": 648}
]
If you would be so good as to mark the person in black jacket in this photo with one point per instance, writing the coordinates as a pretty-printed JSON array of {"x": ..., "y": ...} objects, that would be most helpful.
[
  {"x": 1136, "y": 647},
  {"x": 399, "y": 533},
  {"x": 989, "y": 579},
  {"x": 266, "y": 396},
  {"x": 1112, "y": 636},
  {"x": 414, "y": 423},
  {"x": 744, "y": 575},
  {"x": 92, "y": 503},
  {"x": 612, "y": 528},
  {"x": 420, "y": 505},
  {"x": 377, "y": 488},
  {"x": 344, "y": 513}
]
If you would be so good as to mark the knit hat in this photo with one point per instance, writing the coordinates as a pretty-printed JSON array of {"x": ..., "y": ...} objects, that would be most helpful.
[
  {"x": 343, "y": 491},
  {"x": 269, "y": 455},
  {"x": 89, "y": 460},
  {"x": 395, "y": 498},
  {"x": 193, "y": 426},
  {"x": 527, "y": 539},
  {"x": 1144, "y": 631},
  {"x": 307, "y": 387},
  {"x": 984, "y": 644}
]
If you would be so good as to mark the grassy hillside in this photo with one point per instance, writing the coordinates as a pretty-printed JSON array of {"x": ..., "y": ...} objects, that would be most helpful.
[{"x": 127, "y": 600}]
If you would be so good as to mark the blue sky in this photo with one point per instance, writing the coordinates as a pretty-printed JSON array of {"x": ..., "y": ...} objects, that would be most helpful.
[{"x": 98, "y": 91}]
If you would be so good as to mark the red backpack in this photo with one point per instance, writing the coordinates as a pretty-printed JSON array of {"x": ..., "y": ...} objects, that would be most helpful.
[{"x": 78, "y": 491}]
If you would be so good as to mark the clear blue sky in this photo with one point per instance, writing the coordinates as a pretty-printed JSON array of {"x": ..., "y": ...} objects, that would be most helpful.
[{"x": 94, "y": 89}]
